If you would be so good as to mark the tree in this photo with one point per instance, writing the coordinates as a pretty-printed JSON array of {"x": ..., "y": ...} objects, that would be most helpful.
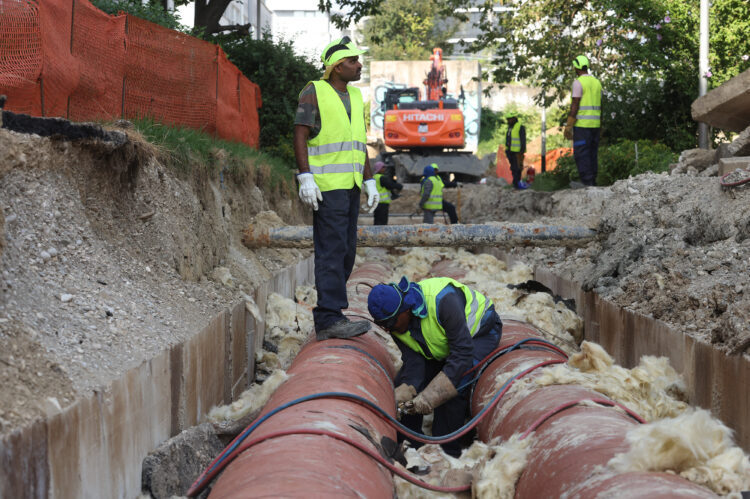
[
  {"x": 407, "y": 30},
  {"x": 208, "y": 14}
]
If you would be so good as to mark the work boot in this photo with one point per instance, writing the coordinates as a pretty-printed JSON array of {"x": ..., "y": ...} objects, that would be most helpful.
[{"x": 343, "y": 329}]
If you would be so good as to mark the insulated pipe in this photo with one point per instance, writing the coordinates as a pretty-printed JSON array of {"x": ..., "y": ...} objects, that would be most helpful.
[
  {"x": 501, "y": 235},
  {"x": 305, "y": 465},
  {"x": 572, "y": 442}
]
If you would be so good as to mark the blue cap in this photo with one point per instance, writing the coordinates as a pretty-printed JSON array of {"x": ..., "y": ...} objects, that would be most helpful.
[{"x": 428, "y": 171}]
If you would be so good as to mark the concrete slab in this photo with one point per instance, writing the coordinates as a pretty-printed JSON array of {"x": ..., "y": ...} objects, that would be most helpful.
[
  {"x": 726, "y": 107},
  {"x": 727, "y": 165}
]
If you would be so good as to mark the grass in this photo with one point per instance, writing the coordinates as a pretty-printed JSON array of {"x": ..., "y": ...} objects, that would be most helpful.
[{"x": 187, "y": 151}]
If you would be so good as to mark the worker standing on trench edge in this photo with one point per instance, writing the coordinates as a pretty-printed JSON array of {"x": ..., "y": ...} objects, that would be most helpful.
[
  {"x": 431, "y": 195},
  {"x": 330, "y": 146},
  {"x": 515, "y": 148},
  {"x": 584, "y": 121},
  {"x": 386, "y": 185},
  {"x": 448, "y": 208},
  {"x": 442, "y": 328}
]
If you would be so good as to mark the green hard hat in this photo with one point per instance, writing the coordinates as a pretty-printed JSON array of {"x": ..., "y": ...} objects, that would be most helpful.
[
  {"x": 339, "y": 49},
  {"x": 580, "y": 61}
]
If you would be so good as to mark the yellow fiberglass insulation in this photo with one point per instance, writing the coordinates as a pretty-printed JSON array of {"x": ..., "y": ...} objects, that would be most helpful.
[
  {"x": 694, "y": 445},
  {"x": 251, "y": 400}
]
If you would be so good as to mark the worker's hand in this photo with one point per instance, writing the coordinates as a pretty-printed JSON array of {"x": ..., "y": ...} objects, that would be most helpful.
[
  {"x": 309, "y": 192},
  {"x": 568, "y": 132},
  {"x": 404, "y": 392},
  {"x": 439, "y": 391},
  {"x": 373, "y": 197}
]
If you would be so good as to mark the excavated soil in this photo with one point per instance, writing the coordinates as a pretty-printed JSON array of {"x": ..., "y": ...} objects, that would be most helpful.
[{"x": 107, "y": 256}]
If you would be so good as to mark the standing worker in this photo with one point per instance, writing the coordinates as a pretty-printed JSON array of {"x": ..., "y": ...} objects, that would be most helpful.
[
  {"x": 515, "y": 148},
  {"x": 584, "y": 121},
  {"x": 385, "y": 184},
  {"x": 330, "y": 148},
  {"x": 443, "y": 328},
  {"x": 448, "y": 208},
  {"x": 431, "y": 195}
]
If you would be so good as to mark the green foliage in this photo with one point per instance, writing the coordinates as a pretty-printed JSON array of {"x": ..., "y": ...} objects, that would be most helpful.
[
  {"x": 187, "y": 150},
  {"x": 616, "y": 162},
  {"x": 729, "y": 40},
  {"x": 281, "y": 75},
  {"x": 407, "y": 30},
  {"x": 153, "y": 12}
]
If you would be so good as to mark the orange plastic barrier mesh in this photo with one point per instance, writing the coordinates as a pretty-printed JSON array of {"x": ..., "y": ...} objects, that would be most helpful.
[
  {"x": 21, "y": 54},
  {"x": 67, "y": 58}
]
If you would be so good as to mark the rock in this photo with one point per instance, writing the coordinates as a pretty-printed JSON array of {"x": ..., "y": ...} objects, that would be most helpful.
[
  {"x": 65, "y": 297},
  {"x": 700, "y": 159},
  {"x": 741, "y": 145},
  {"x": 52, "y": 252},
  {"x": 171, "y": 469},
  {"x": 45, "y": 255},
  {"x": 11, "y": 218},
  {"x": 223, "y": 275}
]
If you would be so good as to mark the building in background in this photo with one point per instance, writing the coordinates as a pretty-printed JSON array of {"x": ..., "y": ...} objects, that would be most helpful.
[
  {"x": 301, "y": 22},
  {"x": 237, "y": 13}
]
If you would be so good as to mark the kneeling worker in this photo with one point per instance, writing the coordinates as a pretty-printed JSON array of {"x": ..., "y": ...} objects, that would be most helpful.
[
  {"x": 386, "y": 187},
  {"x": 442, "y": 328}
]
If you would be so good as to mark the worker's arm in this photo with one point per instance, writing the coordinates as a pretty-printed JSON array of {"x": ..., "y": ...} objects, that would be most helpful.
[
  {"x": 522, "y": 134},
  {"x": 574, "y": 108},
  {"x": 447, "y": 183},
  {"x": 427, "y": 189},
  {"x": 301, "y": 133},
  {"x": 452, "y": 317},
  {"x": 389, "y": 183},
  {"x": 414, "y": 367}
]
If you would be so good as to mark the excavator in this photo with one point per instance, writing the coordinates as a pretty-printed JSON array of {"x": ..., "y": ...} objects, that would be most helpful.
[{"x": 424, "y": 131}]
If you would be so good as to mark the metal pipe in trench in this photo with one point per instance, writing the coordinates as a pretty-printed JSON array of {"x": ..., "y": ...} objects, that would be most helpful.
[
  {"x": 305, "y": 465},
  {"x": 501, "y": 235},
  {"x": 571, "y": 444}
]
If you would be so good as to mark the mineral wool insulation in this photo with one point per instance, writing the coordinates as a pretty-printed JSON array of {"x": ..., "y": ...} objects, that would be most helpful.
[{"x": 688, "y": 442}]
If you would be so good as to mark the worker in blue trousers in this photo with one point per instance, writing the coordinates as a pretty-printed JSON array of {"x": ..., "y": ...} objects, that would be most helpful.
[
  {"x": 443, "y": 328},
  {"x": 584, "y": 121}
]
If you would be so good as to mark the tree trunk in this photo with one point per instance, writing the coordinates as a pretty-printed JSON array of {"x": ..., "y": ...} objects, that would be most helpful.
[{"x": 208, "y": 13}]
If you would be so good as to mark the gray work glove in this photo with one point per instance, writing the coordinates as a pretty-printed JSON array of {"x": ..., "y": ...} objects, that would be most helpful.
[
  {"x": 439, "y": 391},
  {"x": 404, "y": 392}
]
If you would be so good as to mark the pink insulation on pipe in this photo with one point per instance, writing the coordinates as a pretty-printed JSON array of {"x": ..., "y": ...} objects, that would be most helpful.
[
  {"x": 568, "y": 445},
  {"x": 308, "y": 466}
]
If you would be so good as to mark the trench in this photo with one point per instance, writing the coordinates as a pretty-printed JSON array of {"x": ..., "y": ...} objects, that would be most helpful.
[{"x": 95, "y": 448}]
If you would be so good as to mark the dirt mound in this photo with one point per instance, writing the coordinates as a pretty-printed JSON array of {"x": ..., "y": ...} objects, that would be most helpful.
[{"x": 106, "y": 261}]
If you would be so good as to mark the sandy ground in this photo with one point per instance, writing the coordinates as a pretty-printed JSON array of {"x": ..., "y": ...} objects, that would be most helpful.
[{"x": 108, "y": 258}]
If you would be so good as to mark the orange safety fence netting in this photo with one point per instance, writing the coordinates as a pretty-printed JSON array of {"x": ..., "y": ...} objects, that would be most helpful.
[
  {"x": 67, "y": 58},
  {"x": 502, "y": 165}
]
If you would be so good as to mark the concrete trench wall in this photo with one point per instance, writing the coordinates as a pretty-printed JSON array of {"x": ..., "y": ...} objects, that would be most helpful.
[{"x": 94, "y": 448}]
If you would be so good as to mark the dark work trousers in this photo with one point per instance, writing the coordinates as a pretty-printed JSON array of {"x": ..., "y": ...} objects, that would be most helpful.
[
  {"x": 586, "y": 153},
  {"x": 515, "y": 168},
  {"x": 335, "y": 243},
  {"x": 451, "y": 415},
  {"x": 381, "y": 214},
  {"x": 450, "y": 210}
]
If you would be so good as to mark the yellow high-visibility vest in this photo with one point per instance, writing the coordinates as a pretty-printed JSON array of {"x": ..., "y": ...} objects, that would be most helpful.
[
  {"x": 337, "y": 154},
  {"x": 385, "y": 194},
  {"x": 515, "y": 137},
  {"x": 435, "y": 201},
  {"x": 590, "y": 108}
]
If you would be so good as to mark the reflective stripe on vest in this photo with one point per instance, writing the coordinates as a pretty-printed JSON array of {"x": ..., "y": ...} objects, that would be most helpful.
[
  {"x": 385, "y": 194},
  {"x": 434, "y": 334},
  {"x": 515, "y": 137},
  {"x": 337, "y": 154},
  {"x": 435, "y": 201},
  {"x": 590, "y": 108}
]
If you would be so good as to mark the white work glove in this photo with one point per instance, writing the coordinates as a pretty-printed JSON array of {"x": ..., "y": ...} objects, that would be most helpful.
[
  {"x": 309, "y": 192},
  {"x": 373, "y": 197}
]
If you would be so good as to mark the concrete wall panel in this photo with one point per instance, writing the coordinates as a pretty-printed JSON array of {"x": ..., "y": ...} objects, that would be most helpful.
[
  {"x": 240, "y": 377},
  {"x": 23, "y": 463}
]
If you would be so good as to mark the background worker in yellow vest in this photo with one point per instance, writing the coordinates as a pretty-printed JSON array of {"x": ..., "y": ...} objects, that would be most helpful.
[
  {"x": 443, "y": 328},
  {"x": 584, "y": 121},
  {"x": 448, "y": 208},
  {"x": 386, "y": 185},
  {"x": 431, "y": 195},
  {"x": 331, "y": 153},
  {"x": 515, "y": 148}
]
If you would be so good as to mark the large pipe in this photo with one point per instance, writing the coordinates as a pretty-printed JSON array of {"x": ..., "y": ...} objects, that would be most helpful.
[
  {"x": 306, "y": 465},
  {"x": 569, "y": 445},
  {"x": 502, "y": 235}
]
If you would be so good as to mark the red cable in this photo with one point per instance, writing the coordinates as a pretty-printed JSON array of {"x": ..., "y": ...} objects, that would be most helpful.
[
  {"x": 732, "y": 184},
  {"x": 357, "y": 445},
  {"x": 568, "y": 405}
]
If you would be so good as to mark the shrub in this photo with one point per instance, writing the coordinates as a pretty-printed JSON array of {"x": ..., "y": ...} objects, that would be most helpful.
[
  {"x": 281, "y": 75},
  {"x": 616, "y": 162}
]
